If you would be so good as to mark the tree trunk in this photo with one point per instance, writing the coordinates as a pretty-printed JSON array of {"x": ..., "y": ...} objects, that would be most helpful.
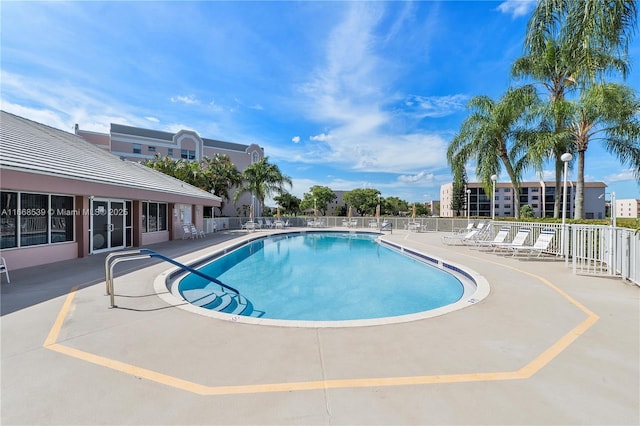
[
  {"x": 516, "y": 186},
  {"x": 579, "y": 210}
]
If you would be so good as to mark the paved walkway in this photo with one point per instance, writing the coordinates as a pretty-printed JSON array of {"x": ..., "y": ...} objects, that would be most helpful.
[{"x": 545, "y": 347}]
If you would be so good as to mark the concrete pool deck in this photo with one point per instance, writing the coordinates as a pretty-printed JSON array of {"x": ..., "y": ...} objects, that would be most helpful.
[{"x": 545, "y": 347}]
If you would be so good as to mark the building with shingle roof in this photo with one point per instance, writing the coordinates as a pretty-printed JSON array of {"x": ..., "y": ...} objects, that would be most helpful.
[{"x": 63, "y": 197}]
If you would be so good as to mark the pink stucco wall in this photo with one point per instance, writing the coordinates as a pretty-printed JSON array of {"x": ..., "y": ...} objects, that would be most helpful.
[{"x": 39, "y": 255}]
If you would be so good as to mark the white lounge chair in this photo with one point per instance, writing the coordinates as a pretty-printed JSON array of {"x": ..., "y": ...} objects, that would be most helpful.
[
  {"x": 460, "y": 239},
  {"x": 519, "y": 240},
  {"x": 4, "y": 269},
  {"x": 540, "y": 246},
  {"x": 499, "y": 238}
]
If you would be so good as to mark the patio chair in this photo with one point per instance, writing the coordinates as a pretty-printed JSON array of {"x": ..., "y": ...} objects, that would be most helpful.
[
  {"x": 195, "y": 233},
  {"x": 186, "y": 232},
  {"x": 460, "y": 239},
  {"x": 519, "y": 240},
  {"x": 385, "y": 226},
  {"x": 499, "y": 238},
  {"x": 540, "y": 246},
  {"x": 4, "y": 269}
]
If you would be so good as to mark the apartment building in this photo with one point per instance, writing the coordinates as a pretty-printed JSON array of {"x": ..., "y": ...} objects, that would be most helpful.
[
  {"x": 139, "y": 144},
  {"x": 539, "y": 195},
  {"x": 628, "y": 208}
]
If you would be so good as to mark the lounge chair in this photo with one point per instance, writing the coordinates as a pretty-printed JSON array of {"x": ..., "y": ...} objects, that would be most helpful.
[
  {"x": 469, "y": 227},
  {"x": 499, "y": 238},
  {"x": 460, "y": 239},
  {"x": 519, "y": 240},
  {"x": 385, "y": 226},
  {"x": 540, "y": 246},
  {"x": 4, "y": 269}
]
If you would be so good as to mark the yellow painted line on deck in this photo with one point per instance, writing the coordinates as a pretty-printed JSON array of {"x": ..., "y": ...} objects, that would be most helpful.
[{"x": 525, "y": 372}]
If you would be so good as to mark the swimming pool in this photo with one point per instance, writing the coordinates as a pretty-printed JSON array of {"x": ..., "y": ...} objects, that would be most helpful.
[{"x": 327, "y": 277}]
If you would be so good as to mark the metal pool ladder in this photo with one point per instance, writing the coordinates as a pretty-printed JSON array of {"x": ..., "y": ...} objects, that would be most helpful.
[{"x": 124, "y": 256}]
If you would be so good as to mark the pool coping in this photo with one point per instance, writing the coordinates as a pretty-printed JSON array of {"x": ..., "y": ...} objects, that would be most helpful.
[{"x": 475, "y": 286}]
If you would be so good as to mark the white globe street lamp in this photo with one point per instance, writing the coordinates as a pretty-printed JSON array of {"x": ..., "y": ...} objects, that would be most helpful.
[
  {"x": 566, "y": 157},
  {"x": 494, "y": 178}
]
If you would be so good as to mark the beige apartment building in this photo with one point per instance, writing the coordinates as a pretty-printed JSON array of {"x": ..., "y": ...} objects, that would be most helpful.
[
  {"x": 139, "y": 144},
  {"x": 628, "y": 208},
  {"x": 539, "y": 195}
]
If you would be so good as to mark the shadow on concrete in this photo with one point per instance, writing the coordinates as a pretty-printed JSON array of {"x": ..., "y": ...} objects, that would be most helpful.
[{"x": 30, "y": 286}]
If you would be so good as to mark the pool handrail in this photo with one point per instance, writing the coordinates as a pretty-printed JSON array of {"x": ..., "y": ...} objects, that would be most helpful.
[{"x": 141, "y": 254}]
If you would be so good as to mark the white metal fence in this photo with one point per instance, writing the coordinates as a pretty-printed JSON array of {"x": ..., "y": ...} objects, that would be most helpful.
[{"x": 588, "y": 249}]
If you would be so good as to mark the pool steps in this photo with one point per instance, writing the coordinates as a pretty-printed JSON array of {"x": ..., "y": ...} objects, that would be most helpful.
[{"x": 222, "y": 301}]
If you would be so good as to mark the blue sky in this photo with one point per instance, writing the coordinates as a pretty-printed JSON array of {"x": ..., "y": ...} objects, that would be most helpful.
[{"x": 341, "y": 94}]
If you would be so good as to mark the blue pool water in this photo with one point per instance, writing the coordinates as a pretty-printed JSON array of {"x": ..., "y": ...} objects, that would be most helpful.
[{"x": 325, "y": 277}]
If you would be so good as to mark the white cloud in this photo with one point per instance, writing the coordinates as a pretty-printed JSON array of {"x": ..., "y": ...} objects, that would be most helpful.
[
  {"x": 621, "y": 176},
  {"x": 185, "y": 99},
  {"x": 295, "y": 139},
  {"x": 349, "y": 93},
  {"x": 435, "y": 106},
  {"x": 421, "y": 178},
  {"x": 322, "y": 137},
  {"x": 152, "y": 119},
  {"x": 517, "y": 8}
]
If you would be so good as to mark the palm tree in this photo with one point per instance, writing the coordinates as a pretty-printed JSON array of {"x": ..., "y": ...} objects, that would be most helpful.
[
  {"x": 262, "y": 179},
  {"x": 595, "y": 31},
  {"x": 493, "y": 136},
  {"x": 554, "y": 70},
  {"x": 222, "y": 175},
  {"x": 592, "y": 37},
  {"x": 609, "y": 113}
]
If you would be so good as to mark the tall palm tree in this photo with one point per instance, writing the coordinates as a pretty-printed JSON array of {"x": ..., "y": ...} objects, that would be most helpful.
[
  {"x": 594, "y": 30},
  {"x": 609, "y": 113},
  {"x": 493, "y": 136},
  {"x": 593, "y": 37},
  {"x": 554, "y": 69},
  {"x": 262, "y": 179}
]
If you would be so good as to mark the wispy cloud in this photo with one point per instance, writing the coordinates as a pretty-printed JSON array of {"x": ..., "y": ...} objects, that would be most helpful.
[
  {"x": 185, "y": 99},
  {"x": 349, "y": 92},
  {"x": 435, "y": 106},
  {"x": 295, "y": 139},
  {"x": 322, "y": 137},
  {"x": 517, "y": 8},
  {"x": 621, "y": 176}
]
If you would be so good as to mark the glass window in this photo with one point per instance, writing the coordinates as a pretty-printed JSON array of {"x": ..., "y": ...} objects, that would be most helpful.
[
  {"x": 255, "y": 157},
  {"x": 170, "y": 152},
  {"x": 154, "y": 217},
  {"x": 187, "y": 154},
  {"x": 34, "y": 209},
  {"x": 145, "y": 208},
  {"x": 151, "y": 148},
  {"x": 162, "y": 217},
  {"x": 152, "y": 220},
  {"x": 137, "y": 148},
  {"x": 62, "y": 214},
  {"x": 8, "y": 219}
]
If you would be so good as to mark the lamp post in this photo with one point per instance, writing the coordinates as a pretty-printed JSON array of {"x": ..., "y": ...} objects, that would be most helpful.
[
  {"x": 613, "y": 209},
  {"x": 468, "y": 205},
  {"x": 494, "y": 178},
  {"x": 566, "y": 157}
]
